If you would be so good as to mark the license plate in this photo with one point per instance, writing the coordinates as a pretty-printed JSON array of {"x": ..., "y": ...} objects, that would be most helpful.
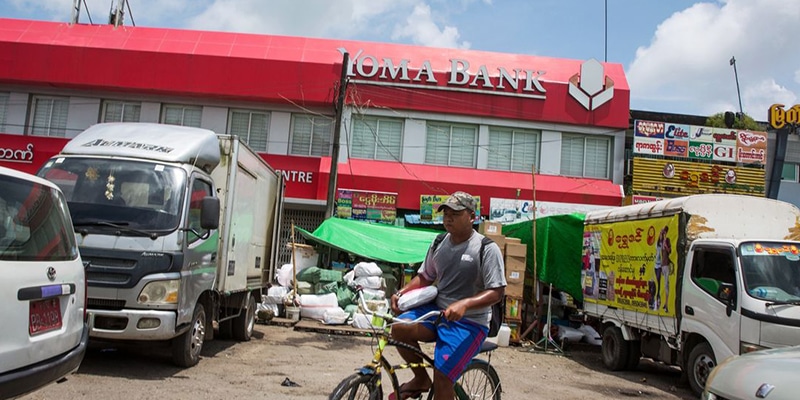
[{"x": 45, "y": 315}]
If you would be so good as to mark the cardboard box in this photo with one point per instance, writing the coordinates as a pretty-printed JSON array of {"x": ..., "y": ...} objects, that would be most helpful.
[
  {"x": 490, "y": 228},
  {"x": 518, "y": 250},
  {"x": 513, "y": 240},
  {"x": 515, "y": 275},
  {"x": 501, "y": 242}
]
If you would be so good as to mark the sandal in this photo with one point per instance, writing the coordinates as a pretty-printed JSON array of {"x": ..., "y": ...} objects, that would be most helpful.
[{"x": 409, "y": 393}]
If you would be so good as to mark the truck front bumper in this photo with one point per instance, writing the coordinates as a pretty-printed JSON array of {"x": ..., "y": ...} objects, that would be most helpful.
[{"x": 132, "y": 324}]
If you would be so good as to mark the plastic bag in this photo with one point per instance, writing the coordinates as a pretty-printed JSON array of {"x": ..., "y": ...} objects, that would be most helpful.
[{"x": 417, "y": 297}]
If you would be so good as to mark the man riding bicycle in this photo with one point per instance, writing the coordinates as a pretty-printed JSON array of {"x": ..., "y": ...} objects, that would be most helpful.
[{"x": 466, "y": 292}]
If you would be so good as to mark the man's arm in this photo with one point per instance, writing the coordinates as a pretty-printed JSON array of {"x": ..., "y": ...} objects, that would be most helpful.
[{"x": 485, "y": 298}]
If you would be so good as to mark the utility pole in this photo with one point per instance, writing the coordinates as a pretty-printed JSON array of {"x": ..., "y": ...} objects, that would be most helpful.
[
  {"x": 117, "y": 14},
  {"x": 738, "y": 93},
  {"x": 337, "y": 131},
  {"x": 76, "y": 11}
]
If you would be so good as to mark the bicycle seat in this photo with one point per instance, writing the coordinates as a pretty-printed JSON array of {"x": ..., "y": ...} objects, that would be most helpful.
[{"x": 487, "y": 346}]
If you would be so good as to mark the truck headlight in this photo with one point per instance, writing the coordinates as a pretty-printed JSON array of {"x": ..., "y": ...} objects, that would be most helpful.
[{"x": 160, "y": 292}]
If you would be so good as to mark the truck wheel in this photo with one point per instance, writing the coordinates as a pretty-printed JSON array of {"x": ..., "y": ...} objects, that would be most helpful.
[
  {"x": 699, "y": 365},
  {"x": 634, "y": 354},
  {"x": 614, "y": 348},
  {"x": 186, "y": 347},
  {"x": 244, "y": 324}
]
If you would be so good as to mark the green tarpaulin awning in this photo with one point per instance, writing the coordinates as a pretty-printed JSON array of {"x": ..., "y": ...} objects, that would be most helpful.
[
  {"x": 559, "y": 241},
  {"x": 373, "y": 241}
]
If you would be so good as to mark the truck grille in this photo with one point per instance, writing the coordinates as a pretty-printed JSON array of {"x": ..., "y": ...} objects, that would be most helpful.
[{"x": 105, "y": 304}]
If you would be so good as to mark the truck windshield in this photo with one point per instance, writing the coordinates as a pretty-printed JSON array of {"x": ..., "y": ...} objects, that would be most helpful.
[
  {"x": 103, "y": 194},
  {"x": 771, "y": 270}
]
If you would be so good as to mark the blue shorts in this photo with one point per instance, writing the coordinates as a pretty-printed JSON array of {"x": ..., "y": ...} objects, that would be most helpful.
[{"x": 457, "y": 342}]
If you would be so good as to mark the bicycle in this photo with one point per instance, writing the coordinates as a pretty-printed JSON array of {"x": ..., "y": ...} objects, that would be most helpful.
[{"x": 479, "y": 380}]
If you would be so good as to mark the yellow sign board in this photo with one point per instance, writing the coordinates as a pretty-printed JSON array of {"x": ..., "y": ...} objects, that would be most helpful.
[
  {"x": 778, "y": 117},
  {"x": 632, "y": 265}
]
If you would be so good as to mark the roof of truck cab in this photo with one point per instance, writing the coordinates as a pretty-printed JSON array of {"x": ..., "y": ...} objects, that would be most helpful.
[{"x": 160, "y": 142}]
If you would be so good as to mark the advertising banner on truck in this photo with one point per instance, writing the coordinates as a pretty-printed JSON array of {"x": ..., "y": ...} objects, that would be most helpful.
[{"x": 632, "y": 264}]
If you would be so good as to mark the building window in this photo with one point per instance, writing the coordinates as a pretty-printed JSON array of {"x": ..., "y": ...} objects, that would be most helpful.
[
  {"x": 182, "y": 115},
  {"x": 3, "y": 110},
  {"x": 250, "y": 126},
  {"x": 585, "y": 156},
  {"x": 514, "y": 150},
  {"x": 311, "y": 135},
  {"x": 376, "y": 138},
  {"x": 121, "y": 111},
  {"x": 448, "y": 144},
  {"x": 789, "y": 173},
  {"x": 49, "y": 117}
]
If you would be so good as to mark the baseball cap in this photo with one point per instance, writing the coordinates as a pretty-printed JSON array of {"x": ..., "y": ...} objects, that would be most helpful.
[{"x": 460, "y": 201}]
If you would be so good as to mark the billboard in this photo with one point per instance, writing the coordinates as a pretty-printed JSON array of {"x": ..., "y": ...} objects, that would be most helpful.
[
  {"x": 366, "y": 205},
  {"x": 429, "y": 207},
  {"x": 632, "y": 265}
]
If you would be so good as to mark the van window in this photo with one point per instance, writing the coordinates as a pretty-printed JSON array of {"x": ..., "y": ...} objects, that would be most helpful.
[
  {"x": 712, "y": 267},
  {"x": 34, "y": 223}
]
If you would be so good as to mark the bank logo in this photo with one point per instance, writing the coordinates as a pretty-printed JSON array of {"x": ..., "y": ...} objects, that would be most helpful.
[{"x": 591, "y": 87}]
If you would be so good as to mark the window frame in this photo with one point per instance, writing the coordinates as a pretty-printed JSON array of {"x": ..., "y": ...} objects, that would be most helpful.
[
  {"x": 793, "y": 179},
  {"x": 310, "y": 150},
  {"x": 378, "y": 144},
  {"x": 5, "y": 97},
  {"x": 512, "y": 163},
  {"x": 60, "y": 131},
  {"x": 430, "y": 142},
  {"x": 585, "y": 138},
  {"x": 267, "y": 119},
  {"x": 184, "y": 108},
  {"x": 125, "y": 105}
]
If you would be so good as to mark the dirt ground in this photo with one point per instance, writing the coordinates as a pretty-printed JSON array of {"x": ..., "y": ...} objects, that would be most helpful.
[{"x": 316, "y": 362}]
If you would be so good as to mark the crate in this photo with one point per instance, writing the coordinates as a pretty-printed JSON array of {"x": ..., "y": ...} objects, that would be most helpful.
[{"x": 513, "y": 307}]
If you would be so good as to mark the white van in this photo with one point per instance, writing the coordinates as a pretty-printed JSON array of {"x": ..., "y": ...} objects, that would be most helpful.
[{"x": 42, "y": 286}]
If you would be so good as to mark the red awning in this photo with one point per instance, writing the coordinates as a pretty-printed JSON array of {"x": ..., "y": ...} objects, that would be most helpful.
[{"x": 410, "y": 181}]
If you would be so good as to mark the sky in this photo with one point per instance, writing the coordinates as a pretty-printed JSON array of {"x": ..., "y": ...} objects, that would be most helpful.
[{"x": 676, "y": 53}]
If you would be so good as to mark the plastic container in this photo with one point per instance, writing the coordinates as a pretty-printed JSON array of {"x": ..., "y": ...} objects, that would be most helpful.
[
  {"x": 293, "y": 313},
  {"x": 503, "y": 335}
]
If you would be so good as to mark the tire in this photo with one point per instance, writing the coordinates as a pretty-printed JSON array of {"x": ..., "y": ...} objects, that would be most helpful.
[
  {"x": 699, "y": 365},
  {"x": 479, "y": 381},
  {"x": 226, "y": 329},
  {"x": 614, "y": 349},
  {"x": 244, "y": 324},
  {"x": 186, "y": 348},
  {"x": 634, "y": 354},
  {"x": 357, "y": 387}
]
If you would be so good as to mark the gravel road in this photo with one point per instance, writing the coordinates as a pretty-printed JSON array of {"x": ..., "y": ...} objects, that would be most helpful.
[{"x": 318, "y": 361}]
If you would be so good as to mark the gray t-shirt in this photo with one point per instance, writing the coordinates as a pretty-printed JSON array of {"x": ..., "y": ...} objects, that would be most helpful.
[{"x": 455, "y": 271}]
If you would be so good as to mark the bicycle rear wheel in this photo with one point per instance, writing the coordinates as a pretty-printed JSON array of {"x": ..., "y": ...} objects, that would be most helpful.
[
  {"x": 358, "y": 387},
  {"x": 479, "y": 381}
]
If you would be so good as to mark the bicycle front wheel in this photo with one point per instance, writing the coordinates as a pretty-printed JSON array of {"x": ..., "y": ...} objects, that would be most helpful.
[
  {"x": 479, "y": 381},
  {"x": 358, "y": 387}
]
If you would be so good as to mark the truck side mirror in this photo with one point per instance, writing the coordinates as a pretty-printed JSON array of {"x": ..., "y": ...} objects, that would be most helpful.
[
  {"x": 727, "y": 294},
  {"x": 209, "y": 213}
]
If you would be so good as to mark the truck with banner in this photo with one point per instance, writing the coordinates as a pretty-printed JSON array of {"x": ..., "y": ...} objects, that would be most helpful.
[
  {"x": 177, "y": 228},
  {"x": 693, "y": 280}
]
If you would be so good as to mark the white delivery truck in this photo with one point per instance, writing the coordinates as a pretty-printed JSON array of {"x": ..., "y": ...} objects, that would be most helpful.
[
  {"x": 178, "y": 227},
  {"x": 693, "y": 280}
]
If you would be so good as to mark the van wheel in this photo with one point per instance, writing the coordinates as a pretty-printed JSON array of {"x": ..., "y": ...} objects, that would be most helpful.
[
  {"x": 699, "y": 365},
  {"x": 186, "y": 347},
  {"x": 634, "y": 354},
  {"x": 244, "y": 324},
  {"x": 614, "y": 349}
]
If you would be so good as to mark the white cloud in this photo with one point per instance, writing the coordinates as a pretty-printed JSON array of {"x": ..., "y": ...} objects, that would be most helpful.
[
  {"x": 686, "y": 66},
  {"x": 421, "y": 28}
]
